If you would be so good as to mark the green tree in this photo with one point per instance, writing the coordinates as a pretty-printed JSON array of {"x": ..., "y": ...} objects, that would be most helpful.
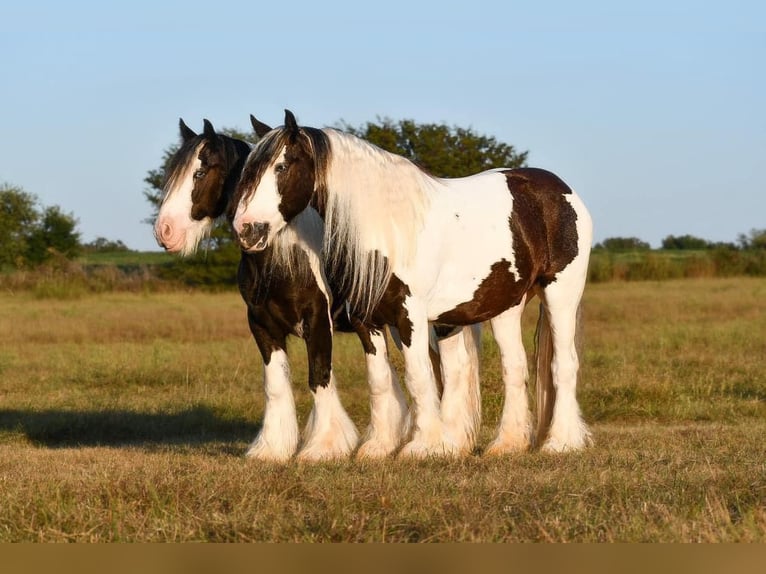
[
  {"x": 31, "y": 236},
  {"x": 441, "y": 150},
  {"x": 688, "y": 242},
  {"x": 104, "y": 245},
  {"x": 756, "y": 239},
  {"x": 18, "y": 214},
  {"x": 55, "y": 233},
  {"x": 623, "y": 244}
]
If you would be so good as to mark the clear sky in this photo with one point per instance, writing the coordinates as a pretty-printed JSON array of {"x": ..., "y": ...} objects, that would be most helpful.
[{"x": 653, "y": 110}]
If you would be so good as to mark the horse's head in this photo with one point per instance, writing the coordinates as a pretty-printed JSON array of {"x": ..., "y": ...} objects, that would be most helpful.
[
  {"x": 200, "y": 181},
  {"x": 277, "y": 183}
]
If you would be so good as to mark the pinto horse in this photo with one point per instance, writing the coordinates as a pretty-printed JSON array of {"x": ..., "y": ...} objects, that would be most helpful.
[
  {"x": 286, "y": 293},
  {"x": 408, "y": 248}
]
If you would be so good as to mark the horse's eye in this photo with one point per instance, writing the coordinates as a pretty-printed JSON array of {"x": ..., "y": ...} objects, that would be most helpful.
[
  {"x": 199, "y": 174},
  {"x": 280, "y": 167}
]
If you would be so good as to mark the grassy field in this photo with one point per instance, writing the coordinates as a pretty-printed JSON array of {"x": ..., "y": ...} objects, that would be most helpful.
[{"x": 125, "y": 417}]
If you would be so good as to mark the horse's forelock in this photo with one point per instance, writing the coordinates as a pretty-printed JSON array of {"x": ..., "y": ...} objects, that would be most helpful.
[
  {"x": 180, "y": 163},
  {"x": 312, "y": 140},
  {"x": 260, "y": 158}
]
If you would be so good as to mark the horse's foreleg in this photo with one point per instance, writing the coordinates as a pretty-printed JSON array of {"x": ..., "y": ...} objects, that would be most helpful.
[
  {"x": 428, "y": 436},
  {"x": 278, "y": 437},
  {"x": 330, "y": 432}
]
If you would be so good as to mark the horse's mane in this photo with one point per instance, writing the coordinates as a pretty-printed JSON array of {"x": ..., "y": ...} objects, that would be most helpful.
[
  {"x": 373, "y": 203},
  {"x": 375, "y": 206},
  {"x": 304, "y": 230}
]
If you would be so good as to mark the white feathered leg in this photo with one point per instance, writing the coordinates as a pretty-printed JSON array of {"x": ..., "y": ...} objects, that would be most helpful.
[
  {"x": 330, "y": 433},
  {"x": 461, "y": 398},
  {"x": 514, "y": 433},
  {"x": 278, "y": 438},
  {"x": 389, "y": 415}
]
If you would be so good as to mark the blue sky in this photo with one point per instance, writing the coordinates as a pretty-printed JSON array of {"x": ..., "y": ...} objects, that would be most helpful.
[{"x": 654, "y": 111}]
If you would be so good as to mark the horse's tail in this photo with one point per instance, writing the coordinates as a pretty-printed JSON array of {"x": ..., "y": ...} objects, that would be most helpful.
[{"x": 546, "y": 392}]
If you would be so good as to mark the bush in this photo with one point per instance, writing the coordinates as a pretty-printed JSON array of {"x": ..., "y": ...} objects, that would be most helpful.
[{"x": 212, "y": 270}]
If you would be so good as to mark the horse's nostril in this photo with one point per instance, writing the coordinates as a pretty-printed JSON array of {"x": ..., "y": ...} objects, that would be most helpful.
[
  {"x": 254, "y": 234},
  {"x": 166, "y": 232}
]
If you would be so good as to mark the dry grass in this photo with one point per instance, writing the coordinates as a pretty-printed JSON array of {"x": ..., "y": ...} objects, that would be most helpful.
[{"x": 124, "y": 417}]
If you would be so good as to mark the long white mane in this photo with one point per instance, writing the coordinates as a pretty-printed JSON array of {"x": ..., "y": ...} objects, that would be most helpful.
[
  {"x": 376, "y": 206},
  {"x": 305, "y": 231}
]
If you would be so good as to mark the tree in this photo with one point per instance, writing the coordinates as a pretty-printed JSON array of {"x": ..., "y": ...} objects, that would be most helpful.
[
  {"x": 54, "y": 234},
  {"x": 688, "y": 242},
  {"x": 31, "y": 236},
  {"x": 17, "y": 216},
  {"x": 104, "y": 245},
  {"x": 756, "y": 239},
  {"x": 439, "y": 149},
  {"x": 623, "y": 244}
]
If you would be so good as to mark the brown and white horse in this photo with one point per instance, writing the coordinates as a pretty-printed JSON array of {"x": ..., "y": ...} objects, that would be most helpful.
[
  {"x": 407, "y": 248},
  {"x": 287, "y": 293}
]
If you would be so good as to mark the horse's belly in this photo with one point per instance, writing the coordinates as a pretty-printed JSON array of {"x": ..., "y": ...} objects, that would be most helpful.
[{"x": 478, "y": 300}]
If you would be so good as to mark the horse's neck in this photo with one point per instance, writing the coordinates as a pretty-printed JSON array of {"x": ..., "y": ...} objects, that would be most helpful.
[{"x": 308, "y": 229}]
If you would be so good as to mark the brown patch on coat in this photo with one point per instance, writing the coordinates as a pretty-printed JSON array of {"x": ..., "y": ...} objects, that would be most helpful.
[
  {"x": 391, "y": 311},
  {"x": 543, "y": 228}
]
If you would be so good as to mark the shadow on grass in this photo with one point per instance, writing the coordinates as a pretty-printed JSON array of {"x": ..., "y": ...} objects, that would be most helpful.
[{"x": 64, "y": 428}]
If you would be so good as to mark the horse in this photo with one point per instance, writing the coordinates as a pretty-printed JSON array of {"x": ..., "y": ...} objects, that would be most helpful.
[
  {"x": 287, "y": 293},
  {"x": 409, "y": 248}
]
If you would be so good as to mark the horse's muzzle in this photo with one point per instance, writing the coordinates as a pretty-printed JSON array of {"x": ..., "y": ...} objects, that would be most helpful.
[{"x": 254, "y": 236}]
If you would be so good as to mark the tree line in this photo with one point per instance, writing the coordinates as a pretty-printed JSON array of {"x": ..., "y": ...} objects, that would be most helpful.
[{"x": 754, "y": 239}]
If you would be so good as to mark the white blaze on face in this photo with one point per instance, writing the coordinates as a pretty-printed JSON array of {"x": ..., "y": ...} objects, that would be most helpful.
[
  {"x": 262, "y": 204},
  {"x": 174, "y": 228}
]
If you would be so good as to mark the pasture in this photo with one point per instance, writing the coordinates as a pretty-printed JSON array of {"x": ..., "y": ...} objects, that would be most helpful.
[{"x": 125, "y": 416}]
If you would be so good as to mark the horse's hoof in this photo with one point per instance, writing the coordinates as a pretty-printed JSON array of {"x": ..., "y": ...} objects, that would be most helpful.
[
  {"x": 502, "y": 447},
  {"x": 421, "y": 450},
  {"x": 374, "y": 450}
]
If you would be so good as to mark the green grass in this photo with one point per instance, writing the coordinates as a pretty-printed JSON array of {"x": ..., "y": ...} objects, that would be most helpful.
[{"x": 125, "y": 417}]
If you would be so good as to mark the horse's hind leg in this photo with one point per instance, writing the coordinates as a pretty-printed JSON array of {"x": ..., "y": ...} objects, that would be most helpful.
[
  {"x": 388, "y": 407},
  {"x": 515, "y": 429},
  {"x": 461, "y": 398},
  {"x": 561, "y": 300}
]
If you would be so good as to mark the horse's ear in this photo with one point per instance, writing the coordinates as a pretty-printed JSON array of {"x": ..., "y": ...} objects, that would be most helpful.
[
  {"x": 209, "y": 130},
  {"x": 259, "y": 127},
  {"x": 186, "y": 132},
  {"x": 291, "y": 124}
]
